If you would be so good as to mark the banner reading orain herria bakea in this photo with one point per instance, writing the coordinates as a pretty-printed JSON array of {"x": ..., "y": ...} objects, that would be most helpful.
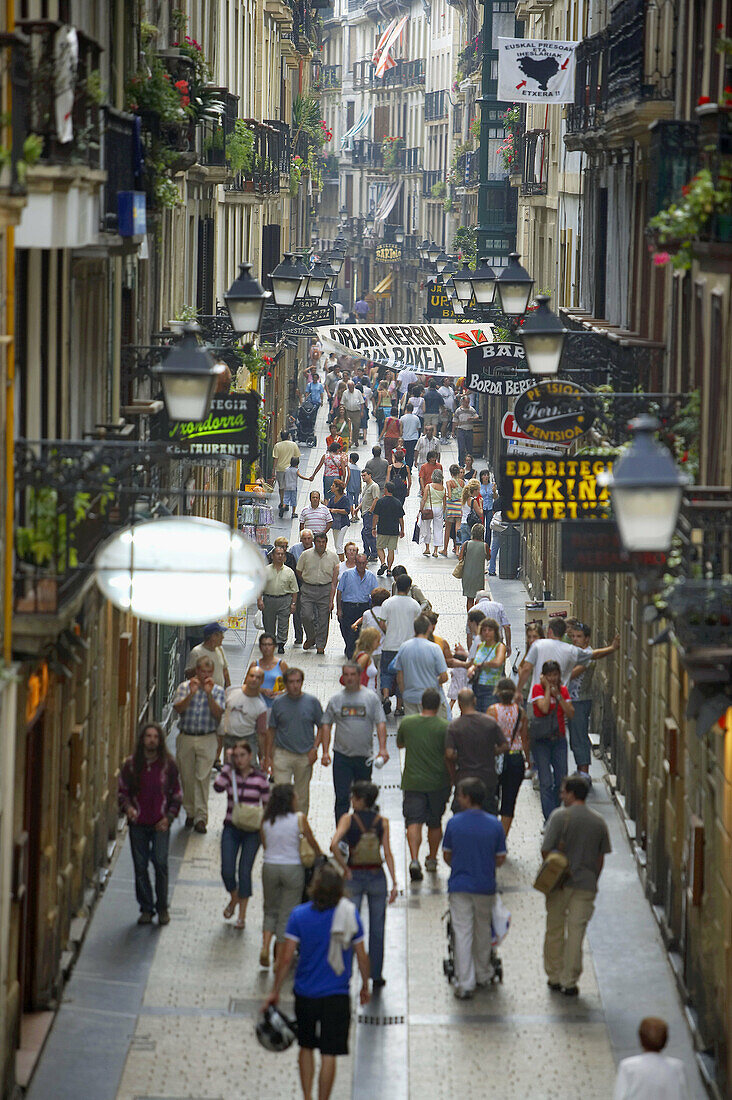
[{"x": 427, "y": 349}]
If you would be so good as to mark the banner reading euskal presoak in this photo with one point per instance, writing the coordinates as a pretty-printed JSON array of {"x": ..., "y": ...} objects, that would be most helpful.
[{"x": 426, "y": 349}]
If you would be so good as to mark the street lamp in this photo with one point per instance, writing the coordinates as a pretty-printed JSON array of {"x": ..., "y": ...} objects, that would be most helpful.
[
  {"x": 441, "y": 261},
  {"x": 318, "y": 279},
  {"x": 189, "y": 375},
  {"x": 304, "y": 274},
  {"x": 462, "y": 281},
  {"x": 542, "y": 335},
  {"x": 423, "y": 249},
  {"x": 483, "y": 283},
  {"x": 336, "y": 260},
  {"x": 286, "y": 281},
  {"x": 245, "y": 301},
  {"x": 433, "y": 252},
  {"x": 399, "y": 235},
  {"x": 514, "y": 287},
  {"x": 645, "y": 485}
]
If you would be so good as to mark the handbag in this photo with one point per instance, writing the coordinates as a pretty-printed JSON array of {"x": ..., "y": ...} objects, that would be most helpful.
[
  {"x": 555, "y": 868},
  {"x": 244, "y": 815},
  {"x": 415, "y": 532},
  {"x": 428, "y": 513},
  {"x": 545, "y": 727},
  {"x": 307, "y": 852},
  {"x": 458, "y": 570}
]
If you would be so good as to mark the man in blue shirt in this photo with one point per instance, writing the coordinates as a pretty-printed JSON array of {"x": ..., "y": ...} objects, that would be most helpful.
[
  {"x": 353, "y": 598},
  {"x": 327, "y": 930},
  {"x": 314, "y": 390},
  {"x": 473, "y": 846},
  {"x": 420, "y": 664}
]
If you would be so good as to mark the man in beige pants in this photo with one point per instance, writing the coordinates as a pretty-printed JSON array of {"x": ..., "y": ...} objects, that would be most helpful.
[
  {"x": 583, "y": 837},
  {"x": 199, "y": 703},
  {"x": 292, "y": 737}
]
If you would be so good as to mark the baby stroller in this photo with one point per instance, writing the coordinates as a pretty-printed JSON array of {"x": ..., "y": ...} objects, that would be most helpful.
[
  {"x": 448, "y": 964},
  {"x": 305, "y": 421}
]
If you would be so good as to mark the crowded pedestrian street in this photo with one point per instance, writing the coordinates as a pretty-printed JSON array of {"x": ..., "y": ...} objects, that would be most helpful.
[{"x": 170, "y": 1012}]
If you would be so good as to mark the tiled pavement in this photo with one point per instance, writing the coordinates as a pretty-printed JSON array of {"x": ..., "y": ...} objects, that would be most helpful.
[{"x": 153, "y": 1014}]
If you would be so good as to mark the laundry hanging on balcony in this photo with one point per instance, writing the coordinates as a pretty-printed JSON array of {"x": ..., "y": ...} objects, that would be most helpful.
[
  {"x": 389, "y": 39},
  {"x": 535, "y": 70},
  {"x": 356, "y": 130},
  {"x": 385, "y": 206}
]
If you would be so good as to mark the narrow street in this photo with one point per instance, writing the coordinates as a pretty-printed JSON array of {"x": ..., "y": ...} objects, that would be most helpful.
[{"x": 168, "y": 1013}]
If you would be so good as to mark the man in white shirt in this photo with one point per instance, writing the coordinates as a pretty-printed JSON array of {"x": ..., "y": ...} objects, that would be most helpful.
[
  {"x": 411, "y": 428},
  {"x": 427, "y": 442},
  {"x": 245, "y": 715},
  {"x": 353, "y": 403},
  {"x": 552, "y": 648},
  {"x": 448, "y": 407},
  {"x": 406, "y": 378},
  {"x": 651, "y": 1075},
  {"x": 282, "y": 454},
  {"x": 492, "y": 609},
  {"x": 396, "y": 618}
]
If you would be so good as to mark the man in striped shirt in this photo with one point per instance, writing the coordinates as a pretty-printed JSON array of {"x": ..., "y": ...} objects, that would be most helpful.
[
  {"x": 317, "y": 517},
  {"x": 199, "y": 702}
]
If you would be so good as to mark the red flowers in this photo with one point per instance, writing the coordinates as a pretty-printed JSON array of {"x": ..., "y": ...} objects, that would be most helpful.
[
  {"x": 183, "y": 91},
  {"x": 702, "y": 100}
]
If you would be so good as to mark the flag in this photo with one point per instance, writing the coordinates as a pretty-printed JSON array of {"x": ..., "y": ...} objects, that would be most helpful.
[
  {"x": 535, "y": 71},
  {"x": 386, "y": 61},
  {"x": 382, "y": 41}
]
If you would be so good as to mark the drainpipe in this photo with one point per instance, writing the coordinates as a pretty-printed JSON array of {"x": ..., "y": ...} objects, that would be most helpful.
[{"x": 9, "y": 415}]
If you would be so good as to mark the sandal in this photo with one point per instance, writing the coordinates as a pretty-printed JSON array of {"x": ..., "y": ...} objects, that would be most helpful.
[
  {"x": 443, "y": 553},
  {"x": 241, "y": 923},
  {"x": 434, "y": 553},
  {"x": 229, "y": 910},
  {"x": 425, "y": 554}
]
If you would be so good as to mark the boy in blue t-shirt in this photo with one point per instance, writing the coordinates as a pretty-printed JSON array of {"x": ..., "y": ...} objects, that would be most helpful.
[
  {"x": 353, "y": 483},
  {"x": 474, "y": 844}
]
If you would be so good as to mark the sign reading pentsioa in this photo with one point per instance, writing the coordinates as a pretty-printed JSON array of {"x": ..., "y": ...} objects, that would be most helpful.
[
  {"x": 554, "y": 412},
  {"x": 230, "y": 429},
  {"x": 548, "y": 489},
  {"x": 593, "y": 546}
]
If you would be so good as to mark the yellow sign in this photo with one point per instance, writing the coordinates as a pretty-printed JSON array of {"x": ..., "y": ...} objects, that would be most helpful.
[
  {"x": 236, "y": 622},
  {"x": 387, "y": 253},
  {"x": 549, "y": 489}
]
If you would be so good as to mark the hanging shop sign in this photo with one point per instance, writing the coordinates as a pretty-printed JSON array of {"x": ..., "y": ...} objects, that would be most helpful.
[
  {"x": 438, "y": 306},
  {"x": 387, "y": 253},
  {"x": 230, "y": 429},
  {"x": 427, "y": 349},
  {"x": 554, "y": 412},
  {"x": 307, "y": 318},
  {"x": 547, "y": 489},
  {"x": 498, "y": 369},
  {"x": 593, "y": 546}
]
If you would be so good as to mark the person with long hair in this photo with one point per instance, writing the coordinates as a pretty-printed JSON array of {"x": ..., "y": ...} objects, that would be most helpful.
[
  {"x": 432, "y": 526},
  {"x": 453, "y": 507},
  {"x": 515, "y": 728},
  {"x": 550, "y": 753},
  {"x": 150, "y": 797},
  {"x": 488, "y": 664},
  {"x": 248, "y": 786},
  {"x": 382, "y": 403},
  {"x": 367, "y": 650},
  {"x": 334, "y": 466},
  {"x": 273, "y": 667},
  {"x": 471, "y": 511},
  {"x": 473, "y": 554},
  {"x": 366, "y": 834},
  {"x": 339, "y": 507},
  {"x": 534, "y": 631},
  {"x": 389, "y": 434},
  {"x": 283, "y": 874},
  {"x": 399, "y": 476}
]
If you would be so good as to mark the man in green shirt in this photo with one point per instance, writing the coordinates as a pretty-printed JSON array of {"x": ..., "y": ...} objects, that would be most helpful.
[{"x": 425, "y": 780}]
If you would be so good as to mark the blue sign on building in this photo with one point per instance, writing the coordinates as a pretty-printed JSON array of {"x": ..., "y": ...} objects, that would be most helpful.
[{"x": 131, "y": 214}]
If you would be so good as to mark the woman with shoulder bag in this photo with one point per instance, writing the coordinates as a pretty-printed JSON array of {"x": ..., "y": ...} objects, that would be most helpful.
[
  {"x": 247, "y": 793},
  {"x": 366, "y": 833},
  {"x": 432, "y": 511},
  {"x": 488, "y": 664},
  {"x": 473, "y": 555},
  {"x": 514, "y": 727},
  {"x": 453, "y": 508},
  {"x": 548, "y": 735},
  {"x": 283, "y": 871},
  {"x": 471, "y": 511}
]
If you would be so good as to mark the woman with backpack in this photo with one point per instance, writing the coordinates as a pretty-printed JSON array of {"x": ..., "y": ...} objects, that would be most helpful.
[
  {"x": 399, "y": 476},
  {"x": 366, "y": 834}
]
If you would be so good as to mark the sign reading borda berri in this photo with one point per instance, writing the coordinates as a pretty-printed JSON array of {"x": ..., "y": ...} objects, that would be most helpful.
[
  {"x": 490, "y": 367},
  {"x": 230, "y": 429}
]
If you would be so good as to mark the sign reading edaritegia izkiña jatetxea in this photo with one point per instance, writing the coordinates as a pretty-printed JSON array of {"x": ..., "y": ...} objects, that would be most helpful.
[
  {"x": 230, "y": 429},
  {"x": 535, "y": 70},
  {"x": 549, "y": 489},
  {"x": 426, "y": 349}
]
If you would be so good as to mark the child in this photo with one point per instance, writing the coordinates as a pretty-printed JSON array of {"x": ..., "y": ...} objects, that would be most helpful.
[
  {"x": 291, "y": 476},
  {"x": 353, "y": 483}
]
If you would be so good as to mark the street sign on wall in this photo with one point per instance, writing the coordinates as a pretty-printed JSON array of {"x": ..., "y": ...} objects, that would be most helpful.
[
  {"x": 593, "y": 546},
  {"x": 230, "y": 429},
  {"x": 545, "y": 489},
  {"x": 554, "y": 412}
]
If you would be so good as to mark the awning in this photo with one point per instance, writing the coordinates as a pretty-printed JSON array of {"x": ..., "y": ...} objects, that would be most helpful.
[
  {"x": 356, "y": 130},
  {"x": 383, "y": 290},
  {"x": 385, "y": 206}
]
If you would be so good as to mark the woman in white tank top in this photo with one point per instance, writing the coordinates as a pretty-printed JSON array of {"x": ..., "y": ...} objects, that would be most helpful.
[{"x": 283, "y": 875}]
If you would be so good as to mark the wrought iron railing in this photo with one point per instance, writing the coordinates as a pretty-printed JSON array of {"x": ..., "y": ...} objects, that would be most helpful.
[
  {"x": 15, "y": 61},
  {"x": 414, "y": 72},
  {"x": 63, "y": 103},
  {"x": 535, "y": 162},
  {"x": 367, "y": 153},
  {"x": 270, "y": 160},
  {"x": 429, "y": 179},
  {"x": 435, "y": 105},
  {"x": 412, "y": 159},
  {"x": 326, "y": 77},
  {"x": 120, "y": 145}
]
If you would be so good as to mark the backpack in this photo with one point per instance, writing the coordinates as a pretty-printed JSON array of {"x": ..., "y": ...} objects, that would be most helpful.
[{"x": 367, "y": 851}]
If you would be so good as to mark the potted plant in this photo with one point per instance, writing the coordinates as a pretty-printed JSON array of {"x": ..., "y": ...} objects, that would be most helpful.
[
  {"x": 705, "y": 202},
  {"x": 240, "y": 148},
  {"x": 438, "y": 190}
]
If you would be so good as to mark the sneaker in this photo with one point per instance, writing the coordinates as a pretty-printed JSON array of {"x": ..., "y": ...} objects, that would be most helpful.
[
  {"x": 415, "y": 871},
  {"x": 386, "y": 704},
  {"x": 570, "y": 990},
  {"x": 163, "y": 917},
  {"x": 188, "y": 823},
  {"x": 463, "y": 994},
  {"x": 378, "y": 983},
  {"x": 430, "y": 865},
  {"x": 380, "y": 571},
  {"x": 280, "y": 648},
  {"x": 200, "y": 826},
  {"x": 145, "y": 918},
  {"x": 281, "y": 511},
  {"x": 294, "y": 515}
]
